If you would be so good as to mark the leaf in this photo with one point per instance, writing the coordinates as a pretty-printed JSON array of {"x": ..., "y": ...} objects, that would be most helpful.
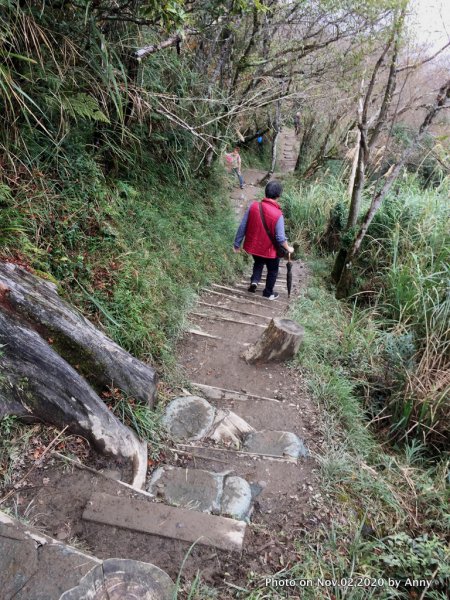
[{"x": 84, "y": 106}]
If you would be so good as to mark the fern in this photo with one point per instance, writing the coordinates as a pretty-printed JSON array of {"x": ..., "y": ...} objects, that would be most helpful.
[{"x": 84, "y": 106}]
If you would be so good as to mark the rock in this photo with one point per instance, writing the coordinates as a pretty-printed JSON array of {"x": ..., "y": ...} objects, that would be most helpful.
[
  {"x": 189, "y": 418},
  {"x": 237, "y": 498},
  {"x": 190, "y": 488},
  {"x": 202, "y": 490},
  {"x": 275, "y": 443},
  {"x": 123, "y": 579},
  {"x": 36, "y": 304}
]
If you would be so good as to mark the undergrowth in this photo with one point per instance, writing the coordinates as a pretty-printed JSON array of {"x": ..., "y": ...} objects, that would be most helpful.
[
  {"x": 133, "y": 252},
  {"x": 390, "y": 508},
  {"x": 402, "y": 285}
]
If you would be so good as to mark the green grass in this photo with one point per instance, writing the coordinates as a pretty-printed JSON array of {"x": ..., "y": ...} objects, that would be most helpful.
[
  {"x": 390, "y": 509},
  {"x": 401, "y": 286},
  {"x": 133, "y": 253}
]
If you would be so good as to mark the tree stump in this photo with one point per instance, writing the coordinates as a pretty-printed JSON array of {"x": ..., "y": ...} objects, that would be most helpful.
[
  {"x": 123, "y": 579},
  {"x": 280, "y": 341}
]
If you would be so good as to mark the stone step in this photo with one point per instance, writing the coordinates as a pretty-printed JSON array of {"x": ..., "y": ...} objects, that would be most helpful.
[
  {"x": 192, "y": 418},
  {"x": 201, "y": 490},
  {"x": 166, "y": 521}
]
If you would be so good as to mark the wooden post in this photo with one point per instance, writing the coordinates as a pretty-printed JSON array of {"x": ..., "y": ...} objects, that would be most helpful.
[{"x": 280, "y": 341}]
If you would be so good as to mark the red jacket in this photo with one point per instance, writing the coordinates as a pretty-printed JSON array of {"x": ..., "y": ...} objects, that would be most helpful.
[{"x": 257, "y": 241}]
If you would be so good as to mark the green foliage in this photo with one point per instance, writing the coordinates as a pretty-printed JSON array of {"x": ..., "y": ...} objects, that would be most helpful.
[
  {"x": 404, "y": 275},
  {"x": 145, "y": 421},
  {"x": 169, "y": 14},
  {"x": 403, "y": 557},
  {"x": 132, "y": 252},
  {"x": 308, "y": 209},
  {"x": 84, "y": 106},
  {"x": 14, "y": 438}
]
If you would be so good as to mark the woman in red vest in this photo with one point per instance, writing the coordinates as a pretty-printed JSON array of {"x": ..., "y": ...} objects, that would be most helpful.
[{"x": 257, "y": 241}]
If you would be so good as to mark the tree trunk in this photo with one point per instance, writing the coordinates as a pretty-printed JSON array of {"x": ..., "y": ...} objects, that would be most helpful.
[
  {"x": 280, "y": 341},
  {"x": 277, "y": 128},
  {"x": 100, "y": 360},
  {"x": 36, "y": 381},
  {"x": 344, "y": 285},
  {"x": 306, "y": 138},
  {"x": 351, "y": 181}
]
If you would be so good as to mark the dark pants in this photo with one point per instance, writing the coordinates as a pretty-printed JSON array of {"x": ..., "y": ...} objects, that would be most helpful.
[
  {"x": 239, "y": 176},
  {"x": 272, "y": 265}
]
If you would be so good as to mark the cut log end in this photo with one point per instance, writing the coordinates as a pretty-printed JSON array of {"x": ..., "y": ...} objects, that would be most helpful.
[{"x": 279, "y": 342}]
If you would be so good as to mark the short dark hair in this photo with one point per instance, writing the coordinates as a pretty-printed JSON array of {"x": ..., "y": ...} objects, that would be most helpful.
[{"x": 273, "y": 190}]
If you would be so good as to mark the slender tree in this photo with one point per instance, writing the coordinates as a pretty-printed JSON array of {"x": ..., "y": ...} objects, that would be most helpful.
[{"x": 442, "y": 101}]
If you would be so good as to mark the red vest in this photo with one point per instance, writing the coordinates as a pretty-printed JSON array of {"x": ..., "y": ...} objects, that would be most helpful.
[{"x": 257, "y": 241}]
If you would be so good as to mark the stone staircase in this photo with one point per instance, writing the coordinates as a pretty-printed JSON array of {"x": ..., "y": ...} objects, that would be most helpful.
[{"x": 241, "y": 442}]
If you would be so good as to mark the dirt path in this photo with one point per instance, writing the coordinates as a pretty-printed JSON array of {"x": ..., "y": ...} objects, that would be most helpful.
[
  {"x": 241, "y": 464},
  {"x": 287, "y": 494}
]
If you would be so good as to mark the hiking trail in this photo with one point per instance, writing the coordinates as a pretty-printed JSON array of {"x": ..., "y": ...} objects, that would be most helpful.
[{"x": 239, "y": 481}]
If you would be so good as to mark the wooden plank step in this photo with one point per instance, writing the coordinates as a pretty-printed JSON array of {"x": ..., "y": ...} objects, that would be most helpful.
[
  {"x": 245, "y": 283},
  {"x": 215, "y": 393},
  {"x": 244, "y": 300},
  {"x": 203, "y": 334},
  {"x": 167, "y": 521},
  {"x": 234, "y": 310},
  {"x": 216, "y": 318},
  {"x": 261, "y": 301}
]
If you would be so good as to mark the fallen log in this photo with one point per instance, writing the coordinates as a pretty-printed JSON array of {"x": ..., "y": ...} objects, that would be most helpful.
[
  {"x": 101, "y": 361},
  {"x": 280, "y": 341},
  {"x": 36, "y": 381}
]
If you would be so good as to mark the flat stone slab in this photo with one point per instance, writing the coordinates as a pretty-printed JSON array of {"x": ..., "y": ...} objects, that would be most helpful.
[
  {"x": 191, "y": 488},
  {"x": 275, "y": 443},
  {"x": 189, "y": 418},
  {"x": 166, "y": 521},
  {"x": 123, "y": 579},
  {"x": 202, "y": 490}
]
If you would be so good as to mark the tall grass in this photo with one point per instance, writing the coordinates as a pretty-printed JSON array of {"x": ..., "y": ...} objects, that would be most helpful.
[{"x": 403, "y": 279}]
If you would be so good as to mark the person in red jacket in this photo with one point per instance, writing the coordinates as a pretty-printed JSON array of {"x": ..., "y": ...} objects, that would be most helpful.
[{"x": 258, "y": 243}]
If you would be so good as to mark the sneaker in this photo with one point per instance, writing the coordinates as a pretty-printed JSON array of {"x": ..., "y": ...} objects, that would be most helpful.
[
  {"x": 273, "y": 296},
  {"x": 253, "y": 287}
]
